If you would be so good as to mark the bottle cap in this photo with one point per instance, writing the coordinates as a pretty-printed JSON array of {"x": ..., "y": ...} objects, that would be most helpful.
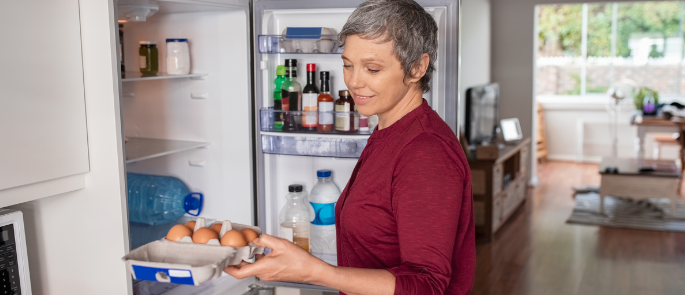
[
  {"x": 176, "y": 40},
  {"x": 323, "y": 173},
  {"x": 343, "y": 93},
  {"x": 147, "y": 42},
  {"x": 311, "y": 67},
  {"x": 295, "y": 188},
  {"x": 325, "y": 75},
  {"x": 280, "y": 70},
  {"x": 291, "y": 63}
]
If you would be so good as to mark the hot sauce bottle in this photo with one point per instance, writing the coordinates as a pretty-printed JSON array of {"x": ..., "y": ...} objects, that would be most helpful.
[{"x": 325, "y": 104}]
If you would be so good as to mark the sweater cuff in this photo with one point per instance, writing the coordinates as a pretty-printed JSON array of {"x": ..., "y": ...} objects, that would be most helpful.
[{"x": 406, "y": 277}]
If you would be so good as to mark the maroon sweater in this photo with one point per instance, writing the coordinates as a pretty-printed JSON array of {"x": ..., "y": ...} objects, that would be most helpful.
[{"x": 408, "y": 208}]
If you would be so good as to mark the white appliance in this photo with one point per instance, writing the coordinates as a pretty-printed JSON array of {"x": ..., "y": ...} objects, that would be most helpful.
[
  {"x": 14, "y": 263},
  {"x": 204, "y": 128}
]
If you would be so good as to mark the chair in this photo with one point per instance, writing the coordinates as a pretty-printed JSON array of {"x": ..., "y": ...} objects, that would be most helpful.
[{"x": 662, "y": 140}]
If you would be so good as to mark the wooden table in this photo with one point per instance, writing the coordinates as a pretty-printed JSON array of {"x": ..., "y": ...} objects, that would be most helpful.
[
  {"x": 629, "y": 182},
  {"x": 648, "y": 125}
]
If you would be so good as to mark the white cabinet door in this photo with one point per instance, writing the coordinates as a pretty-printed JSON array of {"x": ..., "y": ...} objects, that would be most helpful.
[{"x": 42, "y": 108}]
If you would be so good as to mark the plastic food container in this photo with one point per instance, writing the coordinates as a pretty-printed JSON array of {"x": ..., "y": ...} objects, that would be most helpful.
[
  {"x": 177, "y": 57},
  {"x": 187, "y": 263}
]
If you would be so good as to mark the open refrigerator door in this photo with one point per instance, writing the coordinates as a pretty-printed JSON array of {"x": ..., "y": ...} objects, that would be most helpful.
[{"x": 294, "y": 157}]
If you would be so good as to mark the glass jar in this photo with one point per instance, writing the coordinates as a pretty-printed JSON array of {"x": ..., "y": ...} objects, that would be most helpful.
[
  {"x": 346, "y": 120},
  {"x": 177, "y": 57},
  {"x": 148, "y": 58}
]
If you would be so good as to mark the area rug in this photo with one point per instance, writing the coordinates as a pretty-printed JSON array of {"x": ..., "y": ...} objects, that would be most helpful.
[{"x": 626, "y": 213}]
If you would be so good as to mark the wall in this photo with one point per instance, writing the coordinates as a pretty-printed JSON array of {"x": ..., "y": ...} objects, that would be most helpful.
[
  {"x": 475, "y": 47},
  {"x": 76, "y": 240}
]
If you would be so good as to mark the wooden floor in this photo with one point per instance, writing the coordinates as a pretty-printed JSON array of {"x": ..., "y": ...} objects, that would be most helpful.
[{"x": 536, "y": 252}]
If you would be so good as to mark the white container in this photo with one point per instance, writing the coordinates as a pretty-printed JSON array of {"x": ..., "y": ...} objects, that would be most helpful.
[
  {"x": 323, "y": 198},
  {"x": 177, "y": 57}
]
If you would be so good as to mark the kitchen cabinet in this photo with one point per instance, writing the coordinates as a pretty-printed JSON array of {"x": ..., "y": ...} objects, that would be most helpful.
[{"x": 42, "y": 103}]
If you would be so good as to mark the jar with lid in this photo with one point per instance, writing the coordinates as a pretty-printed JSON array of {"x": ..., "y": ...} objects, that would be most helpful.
[
  {"x": 177, "y": 57},
  {"x": 346, "y": 120},
  {"x": 148, "y": 58}
]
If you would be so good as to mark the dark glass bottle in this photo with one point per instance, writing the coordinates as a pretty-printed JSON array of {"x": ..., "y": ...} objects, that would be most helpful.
[
  {"x": 121, "y": 50},
  {"x": 309, "y": 96},
  {"x": 346, "y": 120},
  {"x": 291, "y": 97}
]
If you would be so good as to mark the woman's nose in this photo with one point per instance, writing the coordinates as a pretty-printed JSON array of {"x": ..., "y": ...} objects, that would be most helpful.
[{"x": 355, "y": 80}]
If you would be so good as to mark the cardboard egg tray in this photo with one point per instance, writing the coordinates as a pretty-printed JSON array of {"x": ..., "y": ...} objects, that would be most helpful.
[{"x": 185, "y": 262}]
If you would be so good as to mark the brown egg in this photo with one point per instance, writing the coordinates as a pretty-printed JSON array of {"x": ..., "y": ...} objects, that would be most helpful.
[
  {"x": 233, "y": 238},
  {"x": 177, "y": 233},
  {"x": 191, "y": 225},
  {"x": 249, "y": 234},
  {"x": 203, "y": 235},
  {"x": 216, "y": 227}
]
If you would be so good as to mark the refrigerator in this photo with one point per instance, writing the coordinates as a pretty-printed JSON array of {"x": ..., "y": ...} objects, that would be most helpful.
[{"x": 213, "y": 128}]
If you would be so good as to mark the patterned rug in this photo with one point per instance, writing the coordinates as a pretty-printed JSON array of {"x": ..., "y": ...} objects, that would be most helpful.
[{"x": 626, "y": 213}]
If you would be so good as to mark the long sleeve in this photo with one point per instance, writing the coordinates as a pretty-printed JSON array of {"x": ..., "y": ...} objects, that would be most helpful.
[{"x": 427, "y": 191}]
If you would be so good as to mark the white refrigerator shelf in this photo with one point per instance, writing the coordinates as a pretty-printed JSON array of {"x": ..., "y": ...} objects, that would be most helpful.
[
  {"x": 138, "y": 149},
  {"x": 138, "y": 76}
]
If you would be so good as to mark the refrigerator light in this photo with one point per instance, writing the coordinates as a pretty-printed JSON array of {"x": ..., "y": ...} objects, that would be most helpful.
[{"x": 136, "y": 10}]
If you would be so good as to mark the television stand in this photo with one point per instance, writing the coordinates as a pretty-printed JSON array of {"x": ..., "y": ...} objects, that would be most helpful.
[{"x": 499, "y": 186}]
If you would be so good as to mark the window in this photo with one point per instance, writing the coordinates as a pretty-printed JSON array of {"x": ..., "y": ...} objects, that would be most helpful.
[{"x": 585, "y": 48}]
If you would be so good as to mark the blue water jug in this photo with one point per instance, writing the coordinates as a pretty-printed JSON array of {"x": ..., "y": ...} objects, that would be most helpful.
[{"x": 154, "y": 199}]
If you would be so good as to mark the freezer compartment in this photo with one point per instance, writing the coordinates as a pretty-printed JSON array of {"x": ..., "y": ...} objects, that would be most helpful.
[
  {"x": 302, "y": 145},
  {"x": 307, "y": 44},
  {"x": 342, "y": 123},
  {"x": 187, "y": 263}
]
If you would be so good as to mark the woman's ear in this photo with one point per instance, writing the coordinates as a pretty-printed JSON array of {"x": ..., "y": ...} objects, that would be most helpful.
[{"x": 419, "y": 69}]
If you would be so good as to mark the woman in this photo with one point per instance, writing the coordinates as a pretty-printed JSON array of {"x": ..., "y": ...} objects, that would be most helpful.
[{"x": 405, "y": 219}]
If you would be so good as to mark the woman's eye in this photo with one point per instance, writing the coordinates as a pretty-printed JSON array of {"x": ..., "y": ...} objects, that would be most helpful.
[
  {"x": 374, "y": 71},
  {"x": 347, "y": 66}
]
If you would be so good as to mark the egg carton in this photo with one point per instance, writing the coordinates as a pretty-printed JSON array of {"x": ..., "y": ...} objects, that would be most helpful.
[{"x": 185, "y": 262}]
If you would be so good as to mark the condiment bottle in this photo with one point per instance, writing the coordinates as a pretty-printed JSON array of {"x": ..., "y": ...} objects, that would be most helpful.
[
  {"x": 280, "y": 78},
  {"x": 309, "y": 100},
  {"x": 363, "y": 122},
  {"x": 121, "y": 50},
  {"x": 325, "y": 104},
  {"x": 294, "y": 218},
  {"x": 148, "y": 58},
  {"x": 345, "y": 119}
]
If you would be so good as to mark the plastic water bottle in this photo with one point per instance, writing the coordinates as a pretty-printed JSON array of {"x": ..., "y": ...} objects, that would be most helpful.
[
  {"x": 154, "y": 199},
  {"x": 323, "y": 198},
  {"x": 295, "y": 217}
]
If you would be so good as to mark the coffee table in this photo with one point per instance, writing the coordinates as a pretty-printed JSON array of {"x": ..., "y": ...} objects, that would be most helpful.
[{"x": 628, "y": 181}]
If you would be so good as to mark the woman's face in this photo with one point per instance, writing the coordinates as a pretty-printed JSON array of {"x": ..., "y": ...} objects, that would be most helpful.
[{"x": 373, "y": 75}]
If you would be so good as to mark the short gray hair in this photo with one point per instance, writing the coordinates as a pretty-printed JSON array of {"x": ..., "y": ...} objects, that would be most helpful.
[{"x": 404, "y": 22}]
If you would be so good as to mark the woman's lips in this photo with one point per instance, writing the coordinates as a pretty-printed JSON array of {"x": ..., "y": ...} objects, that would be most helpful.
[{"x": 361, "y": 99}]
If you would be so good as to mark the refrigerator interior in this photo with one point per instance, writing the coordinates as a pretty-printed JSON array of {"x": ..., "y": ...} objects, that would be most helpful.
[
  {"x": 277, "y": 171},
  {"x": 201, "y": 123}
]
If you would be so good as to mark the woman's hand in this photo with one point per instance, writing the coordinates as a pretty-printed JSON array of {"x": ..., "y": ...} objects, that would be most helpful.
[{"x": 286, "y": 262}]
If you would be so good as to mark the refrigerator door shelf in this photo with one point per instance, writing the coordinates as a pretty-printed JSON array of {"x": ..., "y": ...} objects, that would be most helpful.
[
  {"x": 317, "y": 145},
  {"x": 309, "y": 44},
  {"x": 340, "y": 123}
]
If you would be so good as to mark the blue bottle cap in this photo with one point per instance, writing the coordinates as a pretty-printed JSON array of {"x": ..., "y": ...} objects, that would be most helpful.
[
  {"x": 176, "y": 40},
  {"x": 323, "y": 173}
]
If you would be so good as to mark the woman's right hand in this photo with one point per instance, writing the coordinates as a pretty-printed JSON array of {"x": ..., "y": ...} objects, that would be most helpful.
[{"x": 286, "y": 262}]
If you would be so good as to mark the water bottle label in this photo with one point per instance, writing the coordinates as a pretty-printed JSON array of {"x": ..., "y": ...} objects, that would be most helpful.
[{"x": 324, "y": 214}]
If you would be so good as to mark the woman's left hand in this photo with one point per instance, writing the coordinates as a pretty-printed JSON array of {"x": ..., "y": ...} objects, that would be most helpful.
[{"x": 286, "y": 262}]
